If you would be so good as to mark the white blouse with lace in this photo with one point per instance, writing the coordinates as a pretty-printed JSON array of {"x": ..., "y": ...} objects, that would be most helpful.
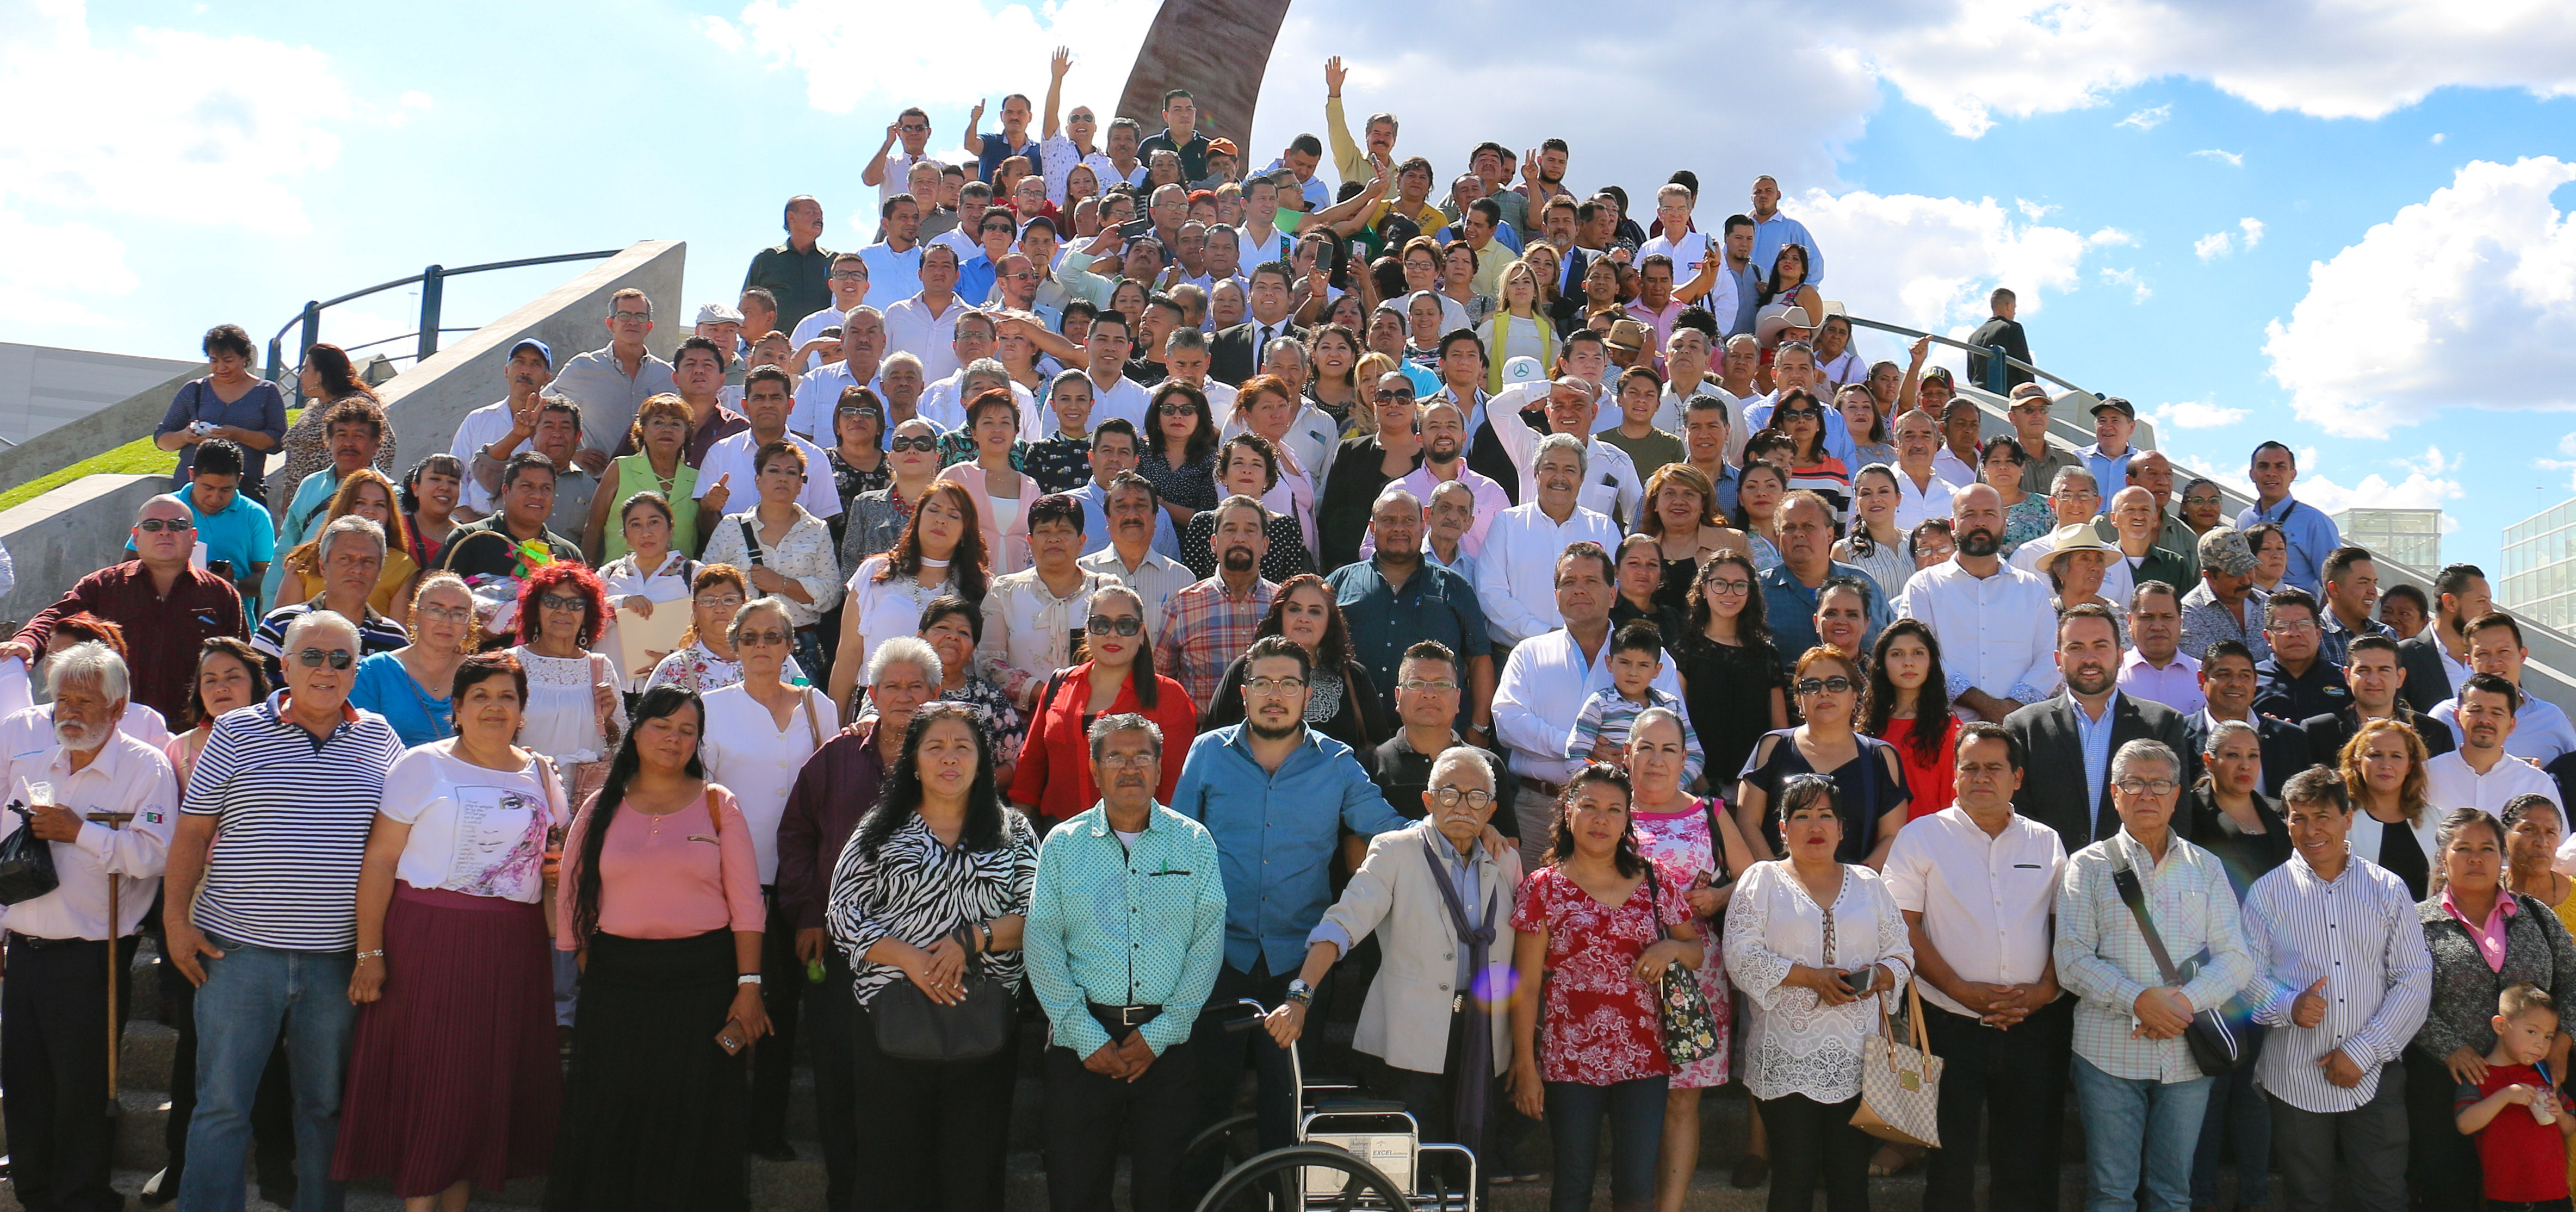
[{"x": 1793, "y": 1045}]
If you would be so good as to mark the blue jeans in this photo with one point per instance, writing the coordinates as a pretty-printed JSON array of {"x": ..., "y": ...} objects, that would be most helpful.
[
  {"x": 2138, "y": 1127},
  {"x": 250, "y": 996},
  {"x": 2241, "y": 1117},
  {"x": 1636, "y": 1111}
]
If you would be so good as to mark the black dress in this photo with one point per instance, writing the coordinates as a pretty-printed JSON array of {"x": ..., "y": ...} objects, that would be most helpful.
[
  {"x": 1667, "y": 620},
  {"x": 1674, "y": 592},
  {"x": 1342, "y": 514},
  {"x": 2247, "y": 856},
  {"x": 1727, "y": 690},
  {"x": 1869, "y": 786}
]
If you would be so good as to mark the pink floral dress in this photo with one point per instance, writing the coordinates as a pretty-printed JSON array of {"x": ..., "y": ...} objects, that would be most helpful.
[
  {"x": 1598, "y": 1024},
  {"x": 1680, "y": 842}
]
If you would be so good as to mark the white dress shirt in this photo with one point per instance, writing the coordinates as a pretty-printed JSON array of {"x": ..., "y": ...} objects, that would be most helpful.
[
  {"x": 1155, "y": 578},
  {"x": 1998, "y": 633},
  {"x": 1541, "y": 690},
  {"x": 2177, "y": 685},
  {"x": 479, "y": 429},
  {"x": 1516, "y": 571},
  {"x": 732, "y": 457},
  {"x": 818, "y": 394},
  {"x": 1126, "y": 400},
  {"x": 2540, "y": 730},
  {"x": 1915, "y": 506},
  {"x": 1028, "y": 631},
  {"x": 2449, "y": 783},
  {"x": 2361, "y": 934},
  {"x": 1985, "y": 900},
  {"x": 912, "y": 328},
  {"x": 1686, "y": 253},
  {"x": 1610, "y": 484},
  {"x": 812, "y": 326},
  {"x": 1959, "y": 472},
  {"x": 940, "y": 406},
  {"x": 126, "y": 776}
]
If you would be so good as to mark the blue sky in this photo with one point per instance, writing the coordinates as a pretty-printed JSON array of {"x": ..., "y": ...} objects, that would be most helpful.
[{"x": 2402, "y": 304}]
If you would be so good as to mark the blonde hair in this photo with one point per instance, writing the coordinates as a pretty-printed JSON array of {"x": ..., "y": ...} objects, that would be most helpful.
[{"x": 1365, "y": 374}]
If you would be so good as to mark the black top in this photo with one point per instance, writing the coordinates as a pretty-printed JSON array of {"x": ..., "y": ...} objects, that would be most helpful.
[
  {"x": 1402, "y": 773},
  {"x": 2328, "y": 734},
  {"x": 1347, "y": 708},
  {"x": 2007, "y": 333},
  {"x": 2403, "y": 856},
  {"x": 483, "y": 548},
  {"x": 1726, "y": 689},
  {"x": 1667, "y": 619},
  {"x": 1674, "y": 592},
  {"x": 1869, "y": 786},
  {"x": 2247, "y": 856},
  {"x": 1350, "y": 487},
  {"x": 2284, "y": 696}
]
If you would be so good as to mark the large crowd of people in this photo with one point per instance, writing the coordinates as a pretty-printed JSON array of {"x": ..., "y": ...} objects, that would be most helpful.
[{"x": 1132, "y": 580}]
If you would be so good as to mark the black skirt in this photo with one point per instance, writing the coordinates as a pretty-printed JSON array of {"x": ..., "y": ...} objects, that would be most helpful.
[{"x": 653, "y": 1110}]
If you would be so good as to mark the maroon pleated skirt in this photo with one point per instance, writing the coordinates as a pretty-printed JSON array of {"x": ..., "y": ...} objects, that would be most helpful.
[{"x": 454, "y": 1073}]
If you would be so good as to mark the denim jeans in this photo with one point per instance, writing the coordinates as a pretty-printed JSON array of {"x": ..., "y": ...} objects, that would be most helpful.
[
  {"x": 251, "y": 995},
  {"x": 1636, "y": 1111},
  {"x": 2240, "y": 1116},
  {"x": 2138, "y": 1128}
]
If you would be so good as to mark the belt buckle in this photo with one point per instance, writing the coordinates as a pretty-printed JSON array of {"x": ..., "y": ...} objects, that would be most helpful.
[
  {"x": 1128, "y": 1016},
  {"x": 1457, "y": 1003}
]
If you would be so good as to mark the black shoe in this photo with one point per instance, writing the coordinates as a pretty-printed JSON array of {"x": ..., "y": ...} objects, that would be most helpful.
[
  {"x": 1751, "y": 1172},
  {"x": 159, "y": 1189},
  {"x": 774, "y": 1151}
]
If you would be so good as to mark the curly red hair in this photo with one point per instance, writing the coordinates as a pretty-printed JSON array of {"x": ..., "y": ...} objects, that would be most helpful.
[{"x": 594, "y": 597}]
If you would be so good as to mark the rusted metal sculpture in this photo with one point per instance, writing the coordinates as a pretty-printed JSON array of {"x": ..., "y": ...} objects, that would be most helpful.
[{"x": 1214, "y": 48}]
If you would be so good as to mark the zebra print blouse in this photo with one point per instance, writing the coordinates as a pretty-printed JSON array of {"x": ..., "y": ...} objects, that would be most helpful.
[{"x": 916, "y": 890}]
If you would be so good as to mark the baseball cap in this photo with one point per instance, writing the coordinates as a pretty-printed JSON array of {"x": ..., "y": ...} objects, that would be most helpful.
[
  {"x": 2118, "y": 405},
  {"x": 530, "y": 343},
  {"x": 717, "y": 313},
  {"x": 1522, "y": 370},
  {"x": 2223, "y": 549},
  {"x": 1223, "y": 147}
]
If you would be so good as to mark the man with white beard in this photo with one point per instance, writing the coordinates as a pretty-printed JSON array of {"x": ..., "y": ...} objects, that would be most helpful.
[{"x": 53, "y": 1006}]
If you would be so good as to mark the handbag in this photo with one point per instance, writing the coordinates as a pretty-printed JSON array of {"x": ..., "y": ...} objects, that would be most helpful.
[
  {"x": 910, "y": 1026},
  {"x": 2213, "y": 1043},
  {"x": 1690, "y": 1031},
  {"x": 1900, "y": 1080},
  {"x": 26, "y": 862}
]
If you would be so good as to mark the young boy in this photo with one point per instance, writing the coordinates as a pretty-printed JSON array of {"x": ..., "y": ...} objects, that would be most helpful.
[
  {"x": 1601, "y": 728},
  {"x": 2522, "y": 1131}
]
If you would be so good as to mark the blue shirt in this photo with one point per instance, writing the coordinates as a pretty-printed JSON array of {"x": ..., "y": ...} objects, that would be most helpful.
[
  {"x": 2095, "y": 737},
  {"x": 383, "y": 686},
  {"x": 988, "y": 160},
  {"x": 975, "y": 277},
  {"x": 1769, "y": 234},
  {"x": 1838, "y": 439},
  {"x": 1435, "y": 604},
  {"x": 1121, "y": 926},
  {"x": 2110, "y": 472},
  {"x": 1095, "y": 522},
  {"x": 1727, "y": 484},
  {"x": 2311, "y": 533},
  {"x": 1790, "y": 608},
  {"x": 260, "y": 410},
  {"x": 242, "y": 533},
  {"x": 1276, "y": 835}
]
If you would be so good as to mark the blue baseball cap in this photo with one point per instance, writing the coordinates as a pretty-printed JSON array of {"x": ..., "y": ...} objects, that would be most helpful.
[{"x": 535, "y": 344}]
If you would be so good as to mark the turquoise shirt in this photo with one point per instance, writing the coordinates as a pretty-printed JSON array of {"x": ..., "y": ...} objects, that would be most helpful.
[
  {"x": 383, "y": 686},
  {"x": 1121, "y": 927}
]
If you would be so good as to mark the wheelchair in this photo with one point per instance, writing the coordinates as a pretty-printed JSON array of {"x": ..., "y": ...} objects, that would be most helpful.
[{"x": 1352, "y": 1154}]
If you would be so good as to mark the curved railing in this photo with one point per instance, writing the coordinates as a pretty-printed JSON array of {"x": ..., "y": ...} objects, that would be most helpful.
[{"x": 432, "y": 282}]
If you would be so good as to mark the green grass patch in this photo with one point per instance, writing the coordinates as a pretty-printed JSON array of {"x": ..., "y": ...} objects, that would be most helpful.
[{"x": 138, "y": 457}]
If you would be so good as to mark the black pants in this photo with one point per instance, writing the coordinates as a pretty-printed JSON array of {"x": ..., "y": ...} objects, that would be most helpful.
[
  {"x": 2364, "y": 1149},
  {"x": 1087, "y": 1115},
  {"x": 2442, "y": 1169},
  {"x": 1221, "y": 1056},
  {"x": 1812, "y": 1143},
  {"x": 1432, "y": 1097},
  {"x": 53, "y": 1064},
  {"x": 836, "y": 1081},
  {"x": 2016, "y": 1079},
  {"x": 272, "y": 1112},
  {"x": 932, "y": 1136},
  {"x": 782, "y": 991}
]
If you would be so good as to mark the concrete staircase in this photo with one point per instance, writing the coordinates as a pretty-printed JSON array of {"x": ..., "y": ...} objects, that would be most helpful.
[{"x": 797, "y": 1186}]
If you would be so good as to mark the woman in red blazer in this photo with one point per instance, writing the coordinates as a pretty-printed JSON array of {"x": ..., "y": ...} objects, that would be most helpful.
[{"x": 1053, "y": 781}]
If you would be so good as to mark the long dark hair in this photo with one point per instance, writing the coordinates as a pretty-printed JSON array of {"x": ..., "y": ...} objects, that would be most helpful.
[
  {"x": 1333, "y": 648},
  {"x": 901, "y": 800},
  {"x": 1141, "y": 674},
  {"x": 339, "y": 378},
  {"x": 1202, "y": 440},
  {"x": 966, "y": 564},
  {"x": 222, "y": 645},
  {"x": 659, "y": 702},
  {"x": 1879, "y": 707},
  {"x": 1750, "y": 629},
  {"x": 1560, "y": 844},
  {"x": 1743, "y": 519}
]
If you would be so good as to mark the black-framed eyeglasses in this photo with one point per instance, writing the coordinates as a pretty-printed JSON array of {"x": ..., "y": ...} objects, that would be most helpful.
[
  {"x": 1177, "y": 410},
  {"x": 1125, "y": 624},
  {"x": 849, "y": 275},
  {"x": 1449, "y": 797},
  {"x": 1837, "y": 684},
  {"x": 313, "y": 658},
  {"x": 2157, "y": 787},
  {"x": 157, "y": 525}
]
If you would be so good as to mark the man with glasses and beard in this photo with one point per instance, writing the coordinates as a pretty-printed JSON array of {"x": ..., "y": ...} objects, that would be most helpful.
[
  {"x": 2080, "y": 730},
  {"x": 1995, "y": 622}
]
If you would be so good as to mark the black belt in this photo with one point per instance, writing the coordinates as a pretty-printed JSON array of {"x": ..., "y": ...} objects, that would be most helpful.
[
  {"x": 37, "y": 943},
  {"x": 1124, "y": 1017}
]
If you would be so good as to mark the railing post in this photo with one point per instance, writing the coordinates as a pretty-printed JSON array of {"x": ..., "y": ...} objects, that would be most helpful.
[
  {"x": 312, "y": 334},
  {"x": 276, "y": 358},
  {"x": 1998, "y": 372},
  {"x": 433, "y": 289}
]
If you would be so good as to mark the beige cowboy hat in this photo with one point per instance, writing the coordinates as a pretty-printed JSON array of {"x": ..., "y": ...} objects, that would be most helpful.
[
  {"x": 1772, "y": 319},
  {"x": 2071, "y": 538}
]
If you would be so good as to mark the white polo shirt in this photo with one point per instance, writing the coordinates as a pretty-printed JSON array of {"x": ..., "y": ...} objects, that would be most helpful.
[{"x": 1985, "y": 900}]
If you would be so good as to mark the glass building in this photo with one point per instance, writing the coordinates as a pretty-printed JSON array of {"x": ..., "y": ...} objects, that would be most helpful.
[
  {"x": 2539, "y": 575},
  {"x": 2412, "y": 537}
]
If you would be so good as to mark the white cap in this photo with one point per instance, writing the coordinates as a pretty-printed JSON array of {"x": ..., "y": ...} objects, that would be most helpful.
[
  {"x": 1522, "y": 370},
  {"x": 718, "y": 313}
]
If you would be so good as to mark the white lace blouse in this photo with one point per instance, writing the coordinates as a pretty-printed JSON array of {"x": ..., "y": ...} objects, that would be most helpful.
[{"x": 1793, "y": 1045}]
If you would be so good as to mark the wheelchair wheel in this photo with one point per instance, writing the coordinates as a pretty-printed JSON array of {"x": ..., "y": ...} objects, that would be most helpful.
[
  {"x": 1221, "y": 1147},
  {"x": 1278, "y": 1181}
]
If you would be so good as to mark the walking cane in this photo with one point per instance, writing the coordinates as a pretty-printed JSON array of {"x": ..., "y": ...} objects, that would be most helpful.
[{"x": 115, "y": 926}]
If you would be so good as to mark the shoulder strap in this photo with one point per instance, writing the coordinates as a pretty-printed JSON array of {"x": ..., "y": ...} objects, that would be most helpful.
[
  {"x": 1655, "y": 902},
  {"x": 1046, "y": 697},
  {"x": 714, "y": 813},
  {"x": 2135, "y": 897},
  {"x": 813, "y": 721},
  {"x": 750, "y": 540},
  {"x": 1716, "y": 841}
]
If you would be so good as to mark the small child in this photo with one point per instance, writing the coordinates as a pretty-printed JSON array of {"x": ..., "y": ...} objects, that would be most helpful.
[
  {"x": 1601, "y": 729},
  {"x": 2523, "y": 1152}
]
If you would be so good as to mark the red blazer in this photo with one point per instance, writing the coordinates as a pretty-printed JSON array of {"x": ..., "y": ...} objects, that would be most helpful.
[{"x": 1054, "y": 775}]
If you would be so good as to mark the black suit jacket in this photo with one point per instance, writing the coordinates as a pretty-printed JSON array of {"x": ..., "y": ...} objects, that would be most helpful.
[
  {"x": 2286, "y": 748},
  {"x": 2428, "y": 681},
  {"x": 2053, "y": 786},
  {"x": 2327, "y": 734},
  {"x": 1235, "y": 355}
]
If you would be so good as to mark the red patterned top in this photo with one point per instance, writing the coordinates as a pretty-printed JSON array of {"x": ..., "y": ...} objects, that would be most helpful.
[{"x": 1599, "y": 1024}]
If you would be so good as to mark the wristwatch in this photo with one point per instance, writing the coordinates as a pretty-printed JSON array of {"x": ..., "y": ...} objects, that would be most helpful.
[
  {"x": 748, "y": 978},
  {"x": 1300, "y": 992}
]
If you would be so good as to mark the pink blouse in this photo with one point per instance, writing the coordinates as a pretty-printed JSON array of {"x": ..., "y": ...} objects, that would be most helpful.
[{"x": 666, "y": 876}]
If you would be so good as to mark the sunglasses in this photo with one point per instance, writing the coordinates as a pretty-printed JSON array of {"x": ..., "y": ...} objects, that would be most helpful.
[
  {"x": 762, "y": 638},
  {"x": 157, "y": 525},
  {"x": 1125, "y": 624},
  {"x": 312, "y": 658},
  {"x": 1836, "y": 684},
  {"x": 559, "y": 601},
  {"x": 1178, "y": 410},
  {"x": 860, "y": 411},
  {"x": 924, "y": 445}
]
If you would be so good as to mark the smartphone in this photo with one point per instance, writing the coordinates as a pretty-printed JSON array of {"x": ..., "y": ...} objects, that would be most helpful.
[
  {"x": 1859, "y": 982},
  {"x": 730, "y": 1039}
]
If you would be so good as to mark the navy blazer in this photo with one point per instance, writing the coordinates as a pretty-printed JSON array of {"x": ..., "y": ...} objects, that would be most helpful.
[{"x": 2053, "y": 785}]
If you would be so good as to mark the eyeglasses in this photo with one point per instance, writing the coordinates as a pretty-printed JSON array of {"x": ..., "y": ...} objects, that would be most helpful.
[
  {"x": 2147, "y": 786},
  {"x": 562, "y": 601},
  {"x": 1728, "y": 585},
  {"x": 1275, "y": 687},
  {"x": 312, "y": 658},
  {"x": 442, "y": 614},
  {"x": 2293, "y": 626},
  {"x": 924, "y": 445},
  {"x": 1420, "y": 686},
  {"x": 631, "y": 317},
  {"x": 859, "y": 410},
  {"x": 1026, "y": 275},
  {"x": 157, "y": 525},
  {"x": 1448, "y": 797},
  {"x": 1799, "y": 414},
  {"x": 762, "y": 638},
  {"x": 1125, "y": 624},
  {"x": 1126, "y": 759},
  {"x": 724, "y": 602},
  {"x": 1177, "y": 410},
  {"x": 1837, "y": 684}
]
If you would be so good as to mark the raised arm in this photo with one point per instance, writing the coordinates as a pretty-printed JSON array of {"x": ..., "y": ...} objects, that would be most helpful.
[{"x": 1057, "y": 65}]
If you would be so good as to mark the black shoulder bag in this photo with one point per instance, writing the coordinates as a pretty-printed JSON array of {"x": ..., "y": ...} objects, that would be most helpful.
[{"x": 2214, "y": 1046}]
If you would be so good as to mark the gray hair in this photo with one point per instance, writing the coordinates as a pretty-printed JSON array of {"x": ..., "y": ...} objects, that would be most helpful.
[
  {"x": 1561, "y": 441},
  {"x": 989, "y": 369},
  {"x": 1393, "y": 494},
  {"x": 349, "y": 523},
  {"x": 2224, "y": 729},
  {"x": 87, "y": 661},
  {"x": 852, "y": 316},
  {"x": 1455, "y": 756},
  {"x": 771, "y": 603},
  {"x": 900, "y": 650},
  {"x": 317, "y": 620},
  {"x": 2145, "y": 751},
  {"x": 1108, "y": 726},
  {"x": 2072, "y": 471},
  {"x": 1279, "y": 345},
  {"x": 1459, "y": 486},
  {"x": 901, "y": 355}
]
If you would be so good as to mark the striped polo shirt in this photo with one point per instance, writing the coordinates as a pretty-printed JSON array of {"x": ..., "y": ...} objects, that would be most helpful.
[{"x": 291, "y": 820}]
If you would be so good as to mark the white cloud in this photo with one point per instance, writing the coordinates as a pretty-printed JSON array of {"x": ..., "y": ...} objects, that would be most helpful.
[
  {"x": 2147, "y": 119},
  {"x": 2213, "y": 246},
  {"x": 911, "y": 50},
  {"x": 2432, "y": 462},
  {"x": 1933, "y": 260},
  {"x": 49, "y": 264},
  {"x": 2416, "y": 491},
  {"x": 2482, "y": 274},
  {"x": 2034, "y": 210},
  {"x": 2139, "y": 291},
  {"x": 2228, "y": 158},
  {"x": 2438, "y": 137},
  {"x": 2194, "y": 414},
  {"x": 2109, "y": 237},
  {"x": 2253, "y": 229}
]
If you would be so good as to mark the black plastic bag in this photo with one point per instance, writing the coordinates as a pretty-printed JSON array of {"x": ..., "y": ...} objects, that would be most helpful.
[{"x": 26, "y": 861}]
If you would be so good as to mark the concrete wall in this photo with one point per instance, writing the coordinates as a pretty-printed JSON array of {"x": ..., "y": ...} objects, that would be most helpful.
[
  {"x": 44, "y": 388},
  {"x": 66, "y": 534},
  {"x": 426, "y": 401},
  {"x": 103, "y": 430}
]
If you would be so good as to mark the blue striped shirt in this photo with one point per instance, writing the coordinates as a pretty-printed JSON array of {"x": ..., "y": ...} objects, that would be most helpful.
[
  {"x": 2361, "y": 933},
  {"x": 292, "y": 815}
]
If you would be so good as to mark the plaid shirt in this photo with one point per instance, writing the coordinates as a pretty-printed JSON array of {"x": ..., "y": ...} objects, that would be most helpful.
[
  {"x": 1204, "y": 628},
  {"x": 2105, "y": 961}
]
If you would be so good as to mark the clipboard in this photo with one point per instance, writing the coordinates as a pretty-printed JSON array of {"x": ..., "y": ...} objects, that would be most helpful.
[{"x": 638, "y": 635}]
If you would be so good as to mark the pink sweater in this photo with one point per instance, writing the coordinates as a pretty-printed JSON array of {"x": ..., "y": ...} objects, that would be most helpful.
[{"x": 665, "y": 877}]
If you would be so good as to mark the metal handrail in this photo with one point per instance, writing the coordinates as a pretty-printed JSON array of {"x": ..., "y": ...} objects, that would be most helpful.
[
  {"x": 432, "y": 281},
  {"x": 1997, "y": 358}
]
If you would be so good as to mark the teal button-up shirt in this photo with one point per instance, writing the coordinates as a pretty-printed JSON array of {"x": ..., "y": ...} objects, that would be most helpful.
[
  {"x": 1276, "y": 834},
  {"x": 1125, "y": 928}
]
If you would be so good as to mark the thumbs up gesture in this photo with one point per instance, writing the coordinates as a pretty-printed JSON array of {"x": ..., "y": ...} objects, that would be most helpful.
[{"x": 2310, "y": 1009}]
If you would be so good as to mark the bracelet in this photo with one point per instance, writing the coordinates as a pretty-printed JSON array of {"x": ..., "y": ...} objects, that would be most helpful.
[
  {"x": 748, "y": 978},
  {"x": 987, "y": 928},
  {"x": 378, "y": 953}
]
